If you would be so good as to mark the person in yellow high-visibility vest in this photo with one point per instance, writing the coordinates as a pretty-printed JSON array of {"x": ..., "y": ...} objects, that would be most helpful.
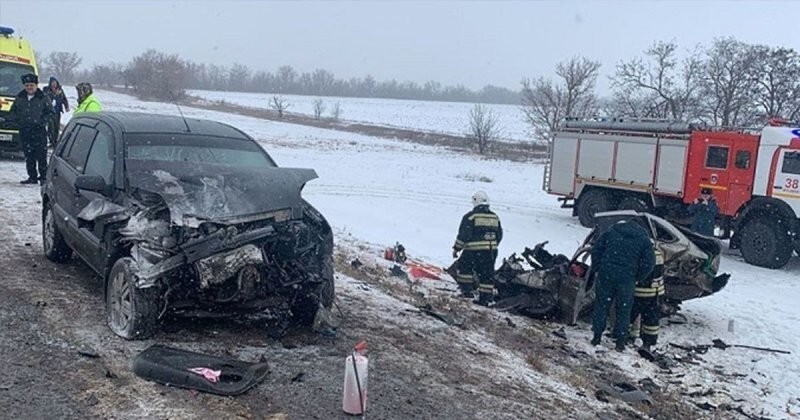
[
  {"x": 87, "y": 102},
  {"x": 646, "y": 311}
]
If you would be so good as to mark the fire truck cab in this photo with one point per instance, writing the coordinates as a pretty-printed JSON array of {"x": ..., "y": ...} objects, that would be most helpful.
[{"x": 661, "y": 166}]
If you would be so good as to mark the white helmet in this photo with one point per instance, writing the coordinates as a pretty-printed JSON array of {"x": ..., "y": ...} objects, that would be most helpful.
[{"x": 480, "y": 198}]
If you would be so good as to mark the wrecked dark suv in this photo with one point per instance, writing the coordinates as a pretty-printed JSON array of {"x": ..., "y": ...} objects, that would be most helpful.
[{"x": 184, "y": 216}]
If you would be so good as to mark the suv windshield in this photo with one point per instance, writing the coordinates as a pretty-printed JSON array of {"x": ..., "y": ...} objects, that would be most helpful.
[
  {"x": 11, "y": 77},
  {"x": 198, "y": 149}
]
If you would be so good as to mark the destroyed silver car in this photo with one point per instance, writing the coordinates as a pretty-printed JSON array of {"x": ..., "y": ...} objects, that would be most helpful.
[
  {"x": 184, "y": 215},
  {"x": 540, "y": 283}
]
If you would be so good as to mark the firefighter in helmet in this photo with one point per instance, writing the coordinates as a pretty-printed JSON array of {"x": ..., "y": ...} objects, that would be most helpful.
[
  {"x": 478, "y": 236},
  {"x": 646, "y": 312}
]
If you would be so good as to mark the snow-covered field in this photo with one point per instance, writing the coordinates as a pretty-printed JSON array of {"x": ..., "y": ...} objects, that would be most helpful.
[
  {"x": 439, "y": 117},
  {"x": 382, "y": 191}
]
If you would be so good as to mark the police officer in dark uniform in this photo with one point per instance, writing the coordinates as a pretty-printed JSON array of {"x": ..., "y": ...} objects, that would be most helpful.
[
  {"x": 646, "y": 313},
  {"x": 705, "y": 210},
  {"x": 30, "y": 113},
  {"x": 621, "y": 256},
  {"x": 478, "y": 237}
]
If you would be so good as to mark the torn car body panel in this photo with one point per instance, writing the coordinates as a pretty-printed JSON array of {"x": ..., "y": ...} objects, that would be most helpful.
[
  {"x": 553, "y": 283},
  {"x": 196, "y": 192}
]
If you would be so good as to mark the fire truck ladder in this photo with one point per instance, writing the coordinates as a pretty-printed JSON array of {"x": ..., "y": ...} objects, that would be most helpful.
[{"x": 547, "y": 168}]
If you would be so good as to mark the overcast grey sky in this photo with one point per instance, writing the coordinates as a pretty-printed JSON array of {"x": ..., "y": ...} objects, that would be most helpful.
[{"x": 474, "y": 43}]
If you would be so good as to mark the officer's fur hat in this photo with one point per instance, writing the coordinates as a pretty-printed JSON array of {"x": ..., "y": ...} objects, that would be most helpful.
[{"x": 29, "y": 78}]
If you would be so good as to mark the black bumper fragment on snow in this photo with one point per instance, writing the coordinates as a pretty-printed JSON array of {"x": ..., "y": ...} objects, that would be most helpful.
[{"x": 171, "y": 366}]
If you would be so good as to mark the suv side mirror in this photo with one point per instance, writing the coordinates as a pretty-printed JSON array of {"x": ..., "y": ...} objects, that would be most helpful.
[{"x": 94, "y": 183}]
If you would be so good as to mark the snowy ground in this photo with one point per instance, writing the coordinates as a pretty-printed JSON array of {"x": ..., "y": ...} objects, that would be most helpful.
[
  {"x": 439, "y": 117},
  {"x": 379, "y": 191}
]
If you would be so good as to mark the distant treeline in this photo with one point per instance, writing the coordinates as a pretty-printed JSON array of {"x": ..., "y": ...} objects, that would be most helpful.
[{"x": 154, "y": 73}]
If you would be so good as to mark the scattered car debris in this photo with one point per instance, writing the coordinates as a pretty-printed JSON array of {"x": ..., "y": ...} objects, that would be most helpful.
[
  {"x": 92, "y": 400},
  {"x": 719, "y": 344},
  {"x": 356, "y": 263},
  {"x": 397, "y": 271},
  {"x": 441, "y": 316},
  {"x": 646, "y": 354},
  {"x": 560, "y": 333},
  {"x": 623, "y": 391},
  {"x": 89, "y": 354},
  {"x": 325, "y": 322},
  {"x": 649, "y": 385},
  {"x": 168, "y": 366},
  {"x": 699, "y": 349}
]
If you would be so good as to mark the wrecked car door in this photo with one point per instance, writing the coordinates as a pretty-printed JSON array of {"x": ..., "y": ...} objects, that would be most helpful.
[
  {"x": 69, "y": 167},
  {"x": 99, "y": 163},
  {"x": 576, "y": 291},
  {"x": 61, "y": 183}
]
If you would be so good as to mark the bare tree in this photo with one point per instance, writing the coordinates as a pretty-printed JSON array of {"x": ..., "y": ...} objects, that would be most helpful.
[
  {"x": 776, "y": 74},
  {"x": 63, "y": 64},
  {"x": 319, "y": 108},
  {"x": 279, "y": 104},
  {"x": 157, "y": 75},
  {"x": 106, "y": 74},
  {"x": 286, "y": 79},
  {"x": 729, "y": 87},
  {"x": 546, "y": 103},
  {"x": 659, "y": 87},
  {"x": 239, "y": 78},
  {"x": 483, "y": 127},
  {"x": 336, "y": 111}
]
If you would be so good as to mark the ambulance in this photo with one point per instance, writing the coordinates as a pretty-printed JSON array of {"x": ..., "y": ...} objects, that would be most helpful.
[{"x": 16, "y": 58}]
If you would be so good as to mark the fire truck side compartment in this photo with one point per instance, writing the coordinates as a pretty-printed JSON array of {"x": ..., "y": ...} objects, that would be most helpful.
[{"x": 563, "y": 160}]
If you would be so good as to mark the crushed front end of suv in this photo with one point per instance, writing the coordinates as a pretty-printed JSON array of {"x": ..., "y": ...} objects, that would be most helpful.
[
  {"x": 539, "y": 283},
  {"x": 185, "y": 216}
]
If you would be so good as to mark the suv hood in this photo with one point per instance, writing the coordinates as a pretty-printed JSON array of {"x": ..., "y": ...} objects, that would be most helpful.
[{"x": 194, "y": 193}]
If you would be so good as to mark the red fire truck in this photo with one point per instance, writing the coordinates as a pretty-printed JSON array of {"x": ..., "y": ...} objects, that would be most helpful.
[{"x": 661, "y": 166}]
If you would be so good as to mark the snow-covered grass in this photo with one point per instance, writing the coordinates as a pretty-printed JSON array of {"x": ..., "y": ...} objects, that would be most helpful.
[
  {"x": 438, "y": 117},
  {"x": 383, "y": 191}
]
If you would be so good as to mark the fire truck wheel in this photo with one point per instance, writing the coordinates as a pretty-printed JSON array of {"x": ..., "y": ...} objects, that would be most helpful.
[
  {"x": 765, "y": 243},
  {"x": 634, "y": 203},
  {"x": 591, "y": 202}
]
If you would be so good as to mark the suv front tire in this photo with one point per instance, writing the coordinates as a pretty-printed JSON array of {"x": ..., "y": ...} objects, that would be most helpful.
[{"x": 131, "y": 312}]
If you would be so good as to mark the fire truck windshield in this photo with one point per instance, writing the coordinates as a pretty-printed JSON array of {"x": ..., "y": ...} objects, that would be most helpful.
[{"x": 11, "y": 77}]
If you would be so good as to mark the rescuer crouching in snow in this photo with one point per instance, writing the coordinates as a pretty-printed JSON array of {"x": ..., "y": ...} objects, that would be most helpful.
[
  {"x": 478, "y": 237},
  {"x": 646, "y": 312},
  {"x": 622, "y": 256}
]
